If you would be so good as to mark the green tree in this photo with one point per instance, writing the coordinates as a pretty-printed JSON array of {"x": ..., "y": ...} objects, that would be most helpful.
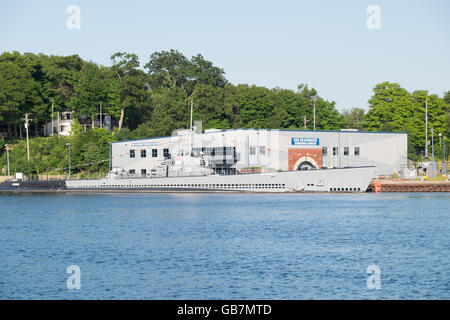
[
  {"x": 353, "y": 118},
  {"x": 172, "y": 69},
  {"x": 131, "y": 88},
  {"x": 203, "y": 72},
  {"x": 288, "y": 111},
  {"x": 447, "y": 101},
  {"x": 57, "y": 77},
  {"x": 169, "y": 69},
  {"x": 232, "y": 107},
  {"x": 18, "y": 94},
  {"x": 91, "y": 90},
  {"x": 389, "y": 108},
  {"x": 209, "y": 106},
  {"x": 392, "y": 108},
  {"x": 170, "y": 110},
  {"x": 256, "y": 105},
  {"x": 90, "y": 150},
  {"x": 327, "y": 116}
]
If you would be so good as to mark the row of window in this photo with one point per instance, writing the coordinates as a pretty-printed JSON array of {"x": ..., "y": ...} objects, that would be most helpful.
[
  {"x": 143, "y": 171},
  {"x": 214, "y": 151},
  {"x": 262, "y": 150},
  {"x": 344, "y": 189},
  {"x": 144, "y": 153},
  {"x": 229, "y": 150},
  {"x": 356, "y": 151},
  {"x": 204, "y": 186},
  {"x": 217, "y": 186}
]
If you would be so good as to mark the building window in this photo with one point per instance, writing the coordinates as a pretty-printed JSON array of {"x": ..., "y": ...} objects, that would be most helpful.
[
  {"x": 166, "y": 153},
  {"x": 335, "y": 151},
  {"x": 324, "y": 151},
  {"x": 262, "y": 150},
  {"x": 346, "y": 151},
  {"x": 252, "y": 150},
  {"x": 143, "y": 153},
  {"x": 131, "y": 153},
  {"x": 144, "y": 172},
  {"x": 131, "y": 171},
  {"x": 356, "y": 151},
  {"x": 154, "y": 153}
]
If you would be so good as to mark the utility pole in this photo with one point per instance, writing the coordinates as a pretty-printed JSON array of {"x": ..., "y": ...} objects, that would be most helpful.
[
  {"x": 314, "y": 113},
  {"x": 51, "y": 134},
  {"x": 109, "y": 157},
  {"x": 444, "y": 166},
  {"x": 57, "y": 129},
  {"x": 305, "y": 121},
  {"x": 7, "y": 157},
  {"x": 426, "y": 129},
  {"x": 101, "y": 124},
  {"x": 26, "y": 129},
  {"x": 68, "y": 144},
  {"x": 247, "y": 140},
  {"x": 190, "y": 129},
  {"x": 432, "y": 154},
  {"x": 339, "y": 149}
]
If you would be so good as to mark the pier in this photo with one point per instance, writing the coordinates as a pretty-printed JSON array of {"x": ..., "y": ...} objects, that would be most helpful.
[{"x": 408, "y": 186}]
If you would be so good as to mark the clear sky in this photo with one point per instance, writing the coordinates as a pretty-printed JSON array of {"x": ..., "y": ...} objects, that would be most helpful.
[{"x": 325, "y": 43}]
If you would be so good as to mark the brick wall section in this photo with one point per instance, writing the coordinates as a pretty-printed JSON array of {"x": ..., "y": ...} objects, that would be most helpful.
[{"x": 295, "y": 154}]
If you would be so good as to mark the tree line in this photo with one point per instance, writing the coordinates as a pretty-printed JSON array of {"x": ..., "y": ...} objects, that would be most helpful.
[{"x": 152, "y": 99}]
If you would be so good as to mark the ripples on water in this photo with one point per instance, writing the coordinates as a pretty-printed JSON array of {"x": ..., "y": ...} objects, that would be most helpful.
[{"x": 225, "y": 246}]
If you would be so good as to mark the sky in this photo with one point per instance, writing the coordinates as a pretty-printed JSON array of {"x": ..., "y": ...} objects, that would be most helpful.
[{"x": 326, "y": 44}]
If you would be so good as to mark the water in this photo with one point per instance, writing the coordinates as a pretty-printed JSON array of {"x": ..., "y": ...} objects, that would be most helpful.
[{"x": 225, "y": 246}]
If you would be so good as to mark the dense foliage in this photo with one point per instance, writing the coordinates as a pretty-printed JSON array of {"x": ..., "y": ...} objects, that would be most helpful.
[
  {"x": 153, "y": 100},
  {"x": 393, "y": 108}
]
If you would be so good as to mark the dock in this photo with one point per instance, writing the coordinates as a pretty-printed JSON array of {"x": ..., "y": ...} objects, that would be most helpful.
[{"x": 397, "y": 185}]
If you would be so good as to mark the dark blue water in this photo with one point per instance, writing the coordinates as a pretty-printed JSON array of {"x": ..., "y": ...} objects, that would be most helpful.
[{"x": 225, "y": 246}]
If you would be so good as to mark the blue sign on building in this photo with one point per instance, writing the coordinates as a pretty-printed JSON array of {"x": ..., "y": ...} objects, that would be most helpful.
[{"x": 305, "y": 141}]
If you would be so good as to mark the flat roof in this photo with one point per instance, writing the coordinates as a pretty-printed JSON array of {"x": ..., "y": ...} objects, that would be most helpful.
[
  {"x": 299, "y": 130},
  {"x": 290, "y": 130}
]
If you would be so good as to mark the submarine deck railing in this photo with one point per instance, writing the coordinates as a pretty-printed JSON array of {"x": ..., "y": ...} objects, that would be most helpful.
[{"x": 123, "y": 177}]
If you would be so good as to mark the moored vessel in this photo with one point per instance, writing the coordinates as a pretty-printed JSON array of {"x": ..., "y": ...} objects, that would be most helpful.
[{"x": 354, "y": 179}]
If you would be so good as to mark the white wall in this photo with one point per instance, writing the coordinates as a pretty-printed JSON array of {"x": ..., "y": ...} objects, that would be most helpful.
[{"x": 387, "y": 151}]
